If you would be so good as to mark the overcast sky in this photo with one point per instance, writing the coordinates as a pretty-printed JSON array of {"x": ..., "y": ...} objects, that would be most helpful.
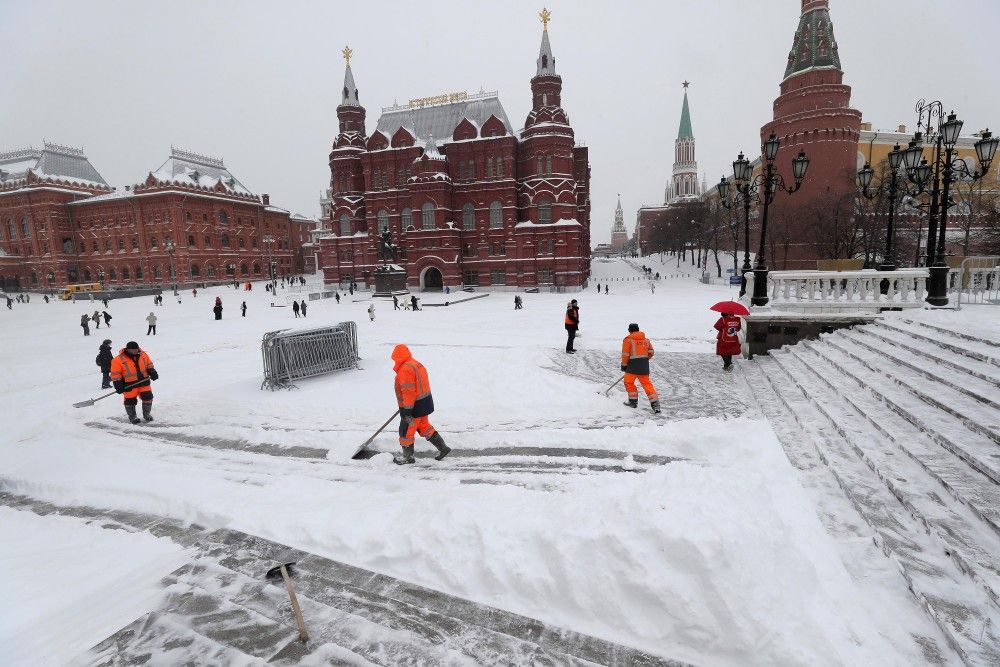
[{"x": 258, "y": 83}]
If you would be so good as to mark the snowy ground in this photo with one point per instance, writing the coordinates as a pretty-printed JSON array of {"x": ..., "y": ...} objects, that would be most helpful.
[{"x": 715, "y": 555}]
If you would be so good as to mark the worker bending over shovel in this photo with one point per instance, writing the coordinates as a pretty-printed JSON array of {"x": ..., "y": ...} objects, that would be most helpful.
[{"x": 413, "y": 395}]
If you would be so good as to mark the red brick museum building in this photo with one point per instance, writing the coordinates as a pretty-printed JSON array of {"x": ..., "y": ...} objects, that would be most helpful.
[
  {"x": 469, "y": 201},
  {"x": 61, "y": 223}
]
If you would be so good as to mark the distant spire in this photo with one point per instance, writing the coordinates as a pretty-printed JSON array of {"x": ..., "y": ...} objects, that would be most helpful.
[
  {"x": 349, "y": 96},
  {"x": 685, "y": 131},
  {"x": 546, "y": 61}
]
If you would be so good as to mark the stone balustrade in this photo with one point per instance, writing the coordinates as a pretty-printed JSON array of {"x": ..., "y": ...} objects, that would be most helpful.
[{"x": 842, "y": 291}]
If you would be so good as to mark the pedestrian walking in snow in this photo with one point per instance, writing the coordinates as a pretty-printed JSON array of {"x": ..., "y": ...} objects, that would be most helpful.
[
  {"x": 96, "y": 317},
  {"x": 598, "y": 288},
  {"x": 351, "y": 289},
  {"x": 727, "y": 342},
  {"x": 103, "y": 360},
  {"x": 336, "y": 295},
  {"x": 572, "y": 324},
  {"x": 46, "y": 297},
  {"x": 395, "y": 302},
  {"x": 105, "y": 300},
  {"x": 131, "y": 373},
  {"x": 243, "y": 309},
  {"x": 652, "y": 287},
  {"x": 91, "y": 295},
  {"x": 107, "y": 318},
  {"x": 194, "y": 292},
  {"x": 636, "y": 353},
  {"x": 517, "y": 302},
  {"x": 85, "y": 323},
  {"x": 295, "y": 308},
  {"x": 413, "y": 302},
  {"x": 10, "y": 304},
  {"x": 413, "y": 395},
  {"x": 303, "y": 307},
  {"x": 217, "y": 309},
  {"x": 27, "y": 298},
  {"x": 605, "y": 288},
  {"x": 371, "y": 312},
  {"x": 151, "y": 321}
]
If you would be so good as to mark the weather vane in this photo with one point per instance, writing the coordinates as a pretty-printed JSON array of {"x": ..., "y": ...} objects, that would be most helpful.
[
  {"x": 546, "y": 16},
  {"x": 347, "y": 54}
]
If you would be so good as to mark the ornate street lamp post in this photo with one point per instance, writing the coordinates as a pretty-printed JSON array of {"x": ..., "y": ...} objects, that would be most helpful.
[
  {"x": 100, "y": 277},
  {"x": 865, "y": 175},
  {"x": 746, "y": 192},
  {"x": 944, "y": 169},
  {"x": 762, "y": 188},
  {"x": 173, "y": 273},
  {"x": 268, "y": 239}
]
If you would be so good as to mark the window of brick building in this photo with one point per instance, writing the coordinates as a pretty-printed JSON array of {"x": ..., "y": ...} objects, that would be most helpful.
[
  {"x": 94, "y": 247},
  {"x": 407, "y": 218},
  {"x": 345, "y": 225},
  {"x": 544, "y": 212},
  {"x": 468, "y": 216},
  {"x": 470, "y": 277},
  {"x": 113, "y": 274},
  {"x": 468, "y": 250},
  {"x": 427, "y": 215},
  {"x": 242, "y": 243},
  {"x": 253, "y": 241},
  {"x": 499, "y": 167},
  {"x": 548, "y": 165},
  {"x": 223, "y": 218},
  {"x": 138, "y": 273},
  {"x": 157, "y": 271},
  {"x": 195, "y": 271},
  {"x": 540, "y": 166},
  {"x": 243, "y": 269},
  {"x": 383, "y": 220},
  {"x": 191, "y": 242},
  {"x": 187, "y": 215},
  {"x": 498, "y": 278},
  {"x": 544, "y": 276},
  {"x": 489, "y": 167},
  {"x": 211, "y": 270},
  {"x": 121, "y": 244},
  {"x": 498, "y": 248},
  {"x": 496, "y": 215},
  {"x": 11, "y": 231},
  {"x": 224, "y": 240},
  {"x": 125, "y": 274},
  {"x": 135, "y": 243},
  {"x": 256, "y": 269},
  {"x": 25, "y": 227},
  {"x": 208, "y": 241},
  {"x": 107, "y": 245},
  {"x": 152, "y": 242}
]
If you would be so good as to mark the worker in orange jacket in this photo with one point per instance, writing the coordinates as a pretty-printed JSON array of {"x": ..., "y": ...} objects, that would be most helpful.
[
  {"x": 413, "y": 395},
  {"x": 636, "y": 353},
  {"x": 131, "y": 373}
]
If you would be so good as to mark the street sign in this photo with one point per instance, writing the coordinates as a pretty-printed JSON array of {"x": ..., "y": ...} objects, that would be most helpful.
[
  {"x": 735, "y": 280},
  {"x": 730, "y": 270}
]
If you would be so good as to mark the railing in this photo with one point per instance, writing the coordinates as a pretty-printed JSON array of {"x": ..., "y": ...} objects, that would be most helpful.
[
  {"x": 979, "y": 282},
  {"x": 293, "y": 355},
  {"x": 846, "y": 290}
]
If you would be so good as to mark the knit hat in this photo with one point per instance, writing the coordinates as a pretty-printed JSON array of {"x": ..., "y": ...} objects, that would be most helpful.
[
  {"x": 633, "y": 327},
  {"x": 107, "y": 341},
  {"x": 131, "y": 345}
]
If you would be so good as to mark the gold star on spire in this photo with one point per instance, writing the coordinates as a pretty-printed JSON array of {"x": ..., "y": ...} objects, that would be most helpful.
[
  {"x": 347, "y": 54},
  {"x": 545, "y": 15}
]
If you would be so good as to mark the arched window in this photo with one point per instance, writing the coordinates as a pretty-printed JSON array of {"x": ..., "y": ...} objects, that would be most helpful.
[
  {"x": 113, "y": 274},
  {"x": 191, "y": 242},
  {"x": 211, "y": 270},
  {"x": 243, "y": 269},
  {"x": 540, "y": 166},
  {"x": 489, "y": 167},
  {"x": 224, "y": 240},
  {"x": 157, "y": 271},
  {"x": 427, "y": 215},
  {"x": 11, "y": 230},
  {"x": 223, "y": 218},
  {"x": 469, "y": 216},
  {"x": 496, "y": 215},
  {"x": 544, "y": 212},
  {"x": 125, "y": 273},
  {"x": 208, "y": 241},
  {"x": 256, "y": 269},
  {"x": 499, "y": 167},
  {"x": 242, "y": 242},
  {"x": 545, "y": 99},
  {"x": 407, "y": 217},
  {"x": 25, "y": 227},
  {"x": 383, "y": 220},
  {"x": 545, "y": 61},
  {"x": 345, "y": 225},
  {"x": 138, "y": 273},
  {"x": 195, "y": 271},
  {"x": 548, "y": 165},
  {"x": 86, "y": 275}
]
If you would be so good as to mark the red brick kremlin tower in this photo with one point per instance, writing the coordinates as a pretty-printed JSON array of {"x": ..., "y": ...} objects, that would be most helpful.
[
  {"x": 469, "y": 202},
  {"x": 813, "y": 113}
]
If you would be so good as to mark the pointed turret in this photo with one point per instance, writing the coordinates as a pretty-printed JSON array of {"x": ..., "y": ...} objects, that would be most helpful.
[
  {"x": 350, "y": 113},
  {"x": 349, "y": 95},
  {"x": 813, "y": 46},
  {"x": 685, "y": 131},
  {"x": 684, "y": 181},
  {"x": 619, "y": 235},
  {"x": 546, "y": 61}
]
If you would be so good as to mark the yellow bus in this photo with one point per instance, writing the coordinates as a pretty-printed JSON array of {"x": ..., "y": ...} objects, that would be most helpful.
[{"x": 67, "y": 292}]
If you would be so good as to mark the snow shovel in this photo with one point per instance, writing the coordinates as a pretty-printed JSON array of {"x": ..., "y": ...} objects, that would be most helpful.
[
  {"x": 608, "y": 390},
  {"x": 91, "y": 401},
  {"x": 283, "y": 569},
  {"x": 369, "y": 440}
]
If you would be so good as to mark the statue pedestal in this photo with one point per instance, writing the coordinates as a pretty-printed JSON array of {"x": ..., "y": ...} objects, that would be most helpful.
[{"x": 390, "y": 279}]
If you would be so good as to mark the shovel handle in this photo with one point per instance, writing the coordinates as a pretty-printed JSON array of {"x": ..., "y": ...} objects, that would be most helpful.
[
  {"x": 88, "y": 403},
  {"x": 303, "y": 635},
  {"x": 380, "y": 429},
  {"x": 613, "y": 385}
]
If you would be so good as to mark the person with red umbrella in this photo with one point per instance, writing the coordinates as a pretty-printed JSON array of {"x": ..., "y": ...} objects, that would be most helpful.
[{"x": 727, "y": 341}]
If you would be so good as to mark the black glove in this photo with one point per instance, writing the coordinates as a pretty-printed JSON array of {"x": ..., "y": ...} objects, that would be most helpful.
[
  {"x": 624, "y": 368},
  {"x": 119, "y": 386},
  {"x": 153, "y": 375}
]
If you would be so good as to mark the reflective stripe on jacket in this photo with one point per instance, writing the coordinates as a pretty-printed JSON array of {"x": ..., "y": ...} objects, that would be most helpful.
[
  {"x": 130, "y": 369},
  {"x": 413, "y": 387},
  {"x": 636, "y": 352}
]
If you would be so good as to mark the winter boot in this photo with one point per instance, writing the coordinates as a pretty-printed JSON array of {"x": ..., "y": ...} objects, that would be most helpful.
[
  {"x": 132, "y": 417},
  {"x": 632, "y": 402},
  {"x": 438, "y": 441},
  {"x": 406, "y": 457},
  {"x": 147, "y": 411},
  {"x": 655, "y": 405}
]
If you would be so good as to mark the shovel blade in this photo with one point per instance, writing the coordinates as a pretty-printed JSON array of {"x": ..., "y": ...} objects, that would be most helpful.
[{"x": 84, "y": 404}]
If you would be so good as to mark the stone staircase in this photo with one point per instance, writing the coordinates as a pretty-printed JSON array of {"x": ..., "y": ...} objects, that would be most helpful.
[
  {"x": 219, "y": 609},
  {"x": 905, "y": 418}
]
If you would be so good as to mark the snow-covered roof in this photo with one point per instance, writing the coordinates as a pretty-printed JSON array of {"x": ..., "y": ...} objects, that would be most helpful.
[
  {"x": 570, "y": 222},
  {"x": 187, "y": 168},
  {"x": 54, "y": 160},
  {"x": 441, "y": 120}
]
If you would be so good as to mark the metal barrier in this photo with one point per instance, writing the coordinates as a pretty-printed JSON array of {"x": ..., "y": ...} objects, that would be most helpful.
[
  {"x": 979, "y": 281},
  {"x": 291, "y": 355}
]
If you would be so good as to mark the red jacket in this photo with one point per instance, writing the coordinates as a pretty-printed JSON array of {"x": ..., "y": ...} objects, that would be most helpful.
[{"x": 727, "y": 342}]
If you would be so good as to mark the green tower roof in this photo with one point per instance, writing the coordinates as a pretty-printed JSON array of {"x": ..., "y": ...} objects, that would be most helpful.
[
  {"x": 685, "y": 131},
  {"x": 814, "y": 46}
]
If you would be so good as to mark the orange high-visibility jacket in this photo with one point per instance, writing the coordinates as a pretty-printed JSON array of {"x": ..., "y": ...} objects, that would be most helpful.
[
  {"x": 636, "y": 353},
  {"x": 130, "y": 369},
  {"x": 413, "y": 387}
]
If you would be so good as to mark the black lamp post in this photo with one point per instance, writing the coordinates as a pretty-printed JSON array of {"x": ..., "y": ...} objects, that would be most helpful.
[
  {"x": 269, "y": 240},
  {"x": 865, "y": 175},
  {"x": 944, "y": 169},
  {"x": 173, "y": 273},
  {"x": 746, "y": 192},
  {"x": 762, "y": 188},
  {"x": 100, "y": 277}
]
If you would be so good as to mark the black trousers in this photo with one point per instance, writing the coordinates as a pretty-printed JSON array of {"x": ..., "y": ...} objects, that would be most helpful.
[
  {"x": 727, "y": 360},
  {"x": 151, "y": 329},
  {"x": 570, "y": 335}
]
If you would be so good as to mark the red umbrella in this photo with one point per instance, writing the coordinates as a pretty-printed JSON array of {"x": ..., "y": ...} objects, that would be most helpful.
[{"x": 732, "y": 307}]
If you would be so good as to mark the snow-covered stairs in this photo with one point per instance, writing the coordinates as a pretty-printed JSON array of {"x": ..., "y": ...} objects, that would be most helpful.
[
  {"x": 904, "y": 416},
  {"x": 219, "y": 609}
]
